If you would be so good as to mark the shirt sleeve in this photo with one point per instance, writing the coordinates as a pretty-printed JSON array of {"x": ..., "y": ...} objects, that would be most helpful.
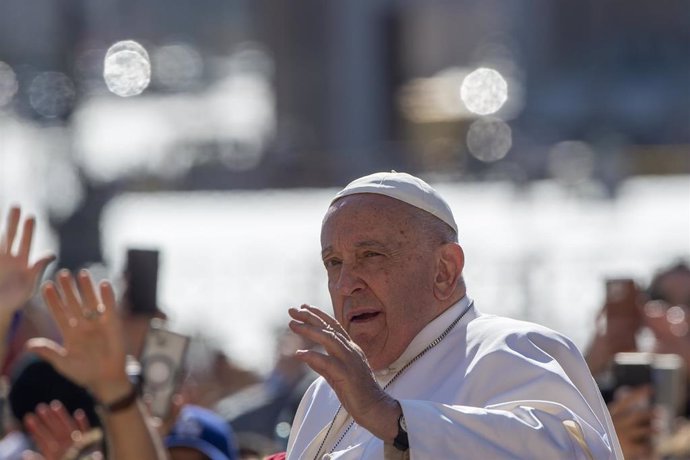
[{"x": 532, "y": 397}]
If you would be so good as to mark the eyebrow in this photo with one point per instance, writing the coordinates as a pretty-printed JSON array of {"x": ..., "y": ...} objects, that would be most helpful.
[{"x": 359, "y": 245}]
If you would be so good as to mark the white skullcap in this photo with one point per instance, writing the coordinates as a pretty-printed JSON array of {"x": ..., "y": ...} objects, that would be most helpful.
[{"x": 404, "y": 187}]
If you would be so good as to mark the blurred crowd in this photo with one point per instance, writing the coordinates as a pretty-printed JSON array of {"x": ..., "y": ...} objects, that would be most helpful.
[{"x": 638, "y": 353}]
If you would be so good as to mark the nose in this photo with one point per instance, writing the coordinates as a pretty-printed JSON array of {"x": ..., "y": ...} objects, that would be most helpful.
[{"x": 348, "y": 281}]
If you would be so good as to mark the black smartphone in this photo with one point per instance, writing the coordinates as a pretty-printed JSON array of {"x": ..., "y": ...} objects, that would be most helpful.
[
  {"x": 141, "y": 275},
  {"x": 162, "y": 366},
  {"x": 632, "y": 369}
]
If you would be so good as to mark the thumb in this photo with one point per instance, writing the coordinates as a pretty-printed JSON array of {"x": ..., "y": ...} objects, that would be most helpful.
[
  {"x": 48, "y": 350},
  {"x": 40, "y": 266},
  {"x": 31, "y": 455}
]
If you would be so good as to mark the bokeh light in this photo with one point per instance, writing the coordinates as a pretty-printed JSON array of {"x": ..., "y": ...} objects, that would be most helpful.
[
  {"x": 571, "y": 162},
  {"x": 8, "y": 84},
  {"x": 484, "y": 91},
  {"x": 676, "y": 318},
  {"x": 177, "y": 66},
  {"x": 52, "y": 94},
  {"x": 237, "y": 155},
  {"x": 127, "y": 68},
  {"x": 489, "y": 139}
]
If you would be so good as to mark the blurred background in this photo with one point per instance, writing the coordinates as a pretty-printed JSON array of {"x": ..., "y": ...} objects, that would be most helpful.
[{"x": 558, "y": 131}]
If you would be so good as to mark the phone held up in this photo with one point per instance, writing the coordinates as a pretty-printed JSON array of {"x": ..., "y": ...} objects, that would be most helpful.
[
  {"x": 623, "y": 313},
  {"x": 666, "y": 375},
  {"x": 162, "y": 365}
]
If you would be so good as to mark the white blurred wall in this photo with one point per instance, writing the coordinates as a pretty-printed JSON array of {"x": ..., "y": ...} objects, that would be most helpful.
[{"x": 233, "y": 263}]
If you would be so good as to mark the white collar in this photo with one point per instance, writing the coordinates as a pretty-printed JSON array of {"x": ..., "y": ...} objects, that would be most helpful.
[{"x": 428, "y": 334}]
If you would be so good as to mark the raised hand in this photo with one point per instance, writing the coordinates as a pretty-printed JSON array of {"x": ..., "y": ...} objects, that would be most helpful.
[
  {"x": 345, "y": 368},
  {"x": 633, "y": 418},
  {"x": 18, "y": 278},
  {"x": 56, "y": 432},
  {"x": 671, "y": 328},
  {"x": 93, "y": 352}
]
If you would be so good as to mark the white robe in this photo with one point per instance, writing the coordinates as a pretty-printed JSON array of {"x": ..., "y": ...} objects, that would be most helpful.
[{"x": 493, "y": 388}]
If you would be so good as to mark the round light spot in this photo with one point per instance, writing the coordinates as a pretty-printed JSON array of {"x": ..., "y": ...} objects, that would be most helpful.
[
  {"x": 178, "y": 66},
  {"x": 8, "y": 84},
  {"x": 283, "y": 429},
  {"x": 127, "y": 68},
  {"x": 51, "y": 94},
  {"x": 489, "y": 139},
  {"x": 571, "y": 162},
  {"x": 484, "y": 91}
]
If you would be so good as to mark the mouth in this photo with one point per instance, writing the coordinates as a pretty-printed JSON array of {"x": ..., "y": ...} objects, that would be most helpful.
[{"x": 364, "y": 317}]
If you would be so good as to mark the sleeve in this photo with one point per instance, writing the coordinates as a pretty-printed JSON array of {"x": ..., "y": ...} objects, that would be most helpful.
[
  {"x": 518, "y": 430},
  {"x": 527, "y": 396}
]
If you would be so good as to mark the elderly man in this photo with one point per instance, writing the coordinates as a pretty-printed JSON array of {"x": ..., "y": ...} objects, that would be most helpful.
[{"x": 411, "y": 368}]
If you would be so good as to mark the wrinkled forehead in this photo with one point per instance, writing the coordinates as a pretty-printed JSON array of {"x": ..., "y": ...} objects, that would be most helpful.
[{"x": 366, "y": 210}]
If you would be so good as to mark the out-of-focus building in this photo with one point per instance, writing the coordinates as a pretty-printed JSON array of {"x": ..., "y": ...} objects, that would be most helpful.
[{"x": 262, "y": 94}]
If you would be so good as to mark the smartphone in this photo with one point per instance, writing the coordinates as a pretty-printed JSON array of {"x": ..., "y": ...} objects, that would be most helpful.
[
  {"x": 665, "y": 373},
  {"x": 632, "y": 369},
  {"x": 141, "y": 274},
  {"x": 162, "y": 366},
  {"x": 669, "y": 376},
  {"x": 623, "y": 314}
]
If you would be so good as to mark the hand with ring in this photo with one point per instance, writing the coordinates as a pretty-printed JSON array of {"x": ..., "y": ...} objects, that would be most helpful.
[{"x": 92, "y": 353}]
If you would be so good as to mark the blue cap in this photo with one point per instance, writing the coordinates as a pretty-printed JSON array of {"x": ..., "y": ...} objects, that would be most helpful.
[{"x": 204, "y": 430}]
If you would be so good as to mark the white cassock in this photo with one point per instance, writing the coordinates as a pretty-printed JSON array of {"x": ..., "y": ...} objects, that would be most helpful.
[{"x": 493, "y": 388}]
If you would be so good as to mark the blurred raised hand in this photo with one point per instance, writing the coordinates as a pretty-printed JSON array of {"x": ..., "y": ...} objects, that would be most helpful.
[
  {"x": 92, "y": 353},
  {"x": 18, "y": 278},
  {"x": 57, "y": 433},
  {"x": 633, "y": 418}
]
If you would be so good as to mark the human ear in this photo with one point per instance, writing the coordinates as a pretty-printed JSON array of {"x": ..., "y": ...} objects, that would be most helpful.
[{"x": 449, "y": 265}]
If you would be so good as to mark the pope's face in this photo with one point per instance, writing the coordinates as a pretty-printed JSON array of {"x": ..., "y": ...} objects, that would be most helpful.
[{"x": 380, "y": 274}]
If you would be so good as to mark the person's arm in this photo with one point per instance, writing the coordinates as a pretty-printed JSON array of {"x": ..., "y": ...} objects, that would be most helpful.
[
  {"x": 520, "y": 401},
  {"x": 18, "y": 278},
  {"x": 93, "y": 356}
]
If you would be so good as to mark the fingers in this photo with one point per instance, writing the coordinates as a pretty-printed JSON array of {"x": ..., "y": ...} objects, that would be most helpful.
[
  {"x": 70, "y": 297},
  {"x": 318, "y": 362},
  {"x": 326, "y": 318},
  {"x": 307, "y": 324},
  {"x": 56, "y": 307},
  {"x": 108, "y": 297},
  {"x": 627, "y": 399},
  {"x": 27, "y": 238},
  {"x": 53, "y": 429},
  {"x": 88, "y": 293},
  {"x": 31, "y": 455},
  {"x": 82, "y": 420},
  {"x": 7, "y": 239},
  {"x": 59, "y": 420},
  {"x": 72, "y": 302}
]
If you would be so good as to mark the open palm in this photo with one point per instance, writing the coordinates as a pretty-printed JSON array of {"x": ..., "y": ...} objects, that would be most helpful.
[
  {"x": 18, "y": 279},
  {"x": 92, "y": 353}
]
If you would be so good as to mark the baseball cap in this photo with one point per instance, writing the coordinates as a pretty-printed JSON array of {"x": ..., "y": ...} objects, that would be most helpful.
[
  {"x": 204, "y": 430},
  {"x": 403, "y": 187}
]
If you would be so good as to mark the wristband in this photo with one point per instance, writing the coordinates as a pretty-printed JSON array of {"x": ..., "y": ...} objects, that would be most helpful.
[{"x": 123, "y": 403}]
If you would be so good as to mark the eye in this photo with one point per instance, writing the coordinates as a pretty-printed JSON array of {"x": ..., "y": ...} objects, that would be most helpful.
[
  {"x": 332, "y": 262},
  {"x": 371, "y": 254}
]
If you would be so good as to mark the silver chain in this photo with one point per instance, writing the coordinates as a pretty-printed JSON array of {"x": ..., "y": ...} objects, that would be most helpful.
[{"x": 390, "y": 382}]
